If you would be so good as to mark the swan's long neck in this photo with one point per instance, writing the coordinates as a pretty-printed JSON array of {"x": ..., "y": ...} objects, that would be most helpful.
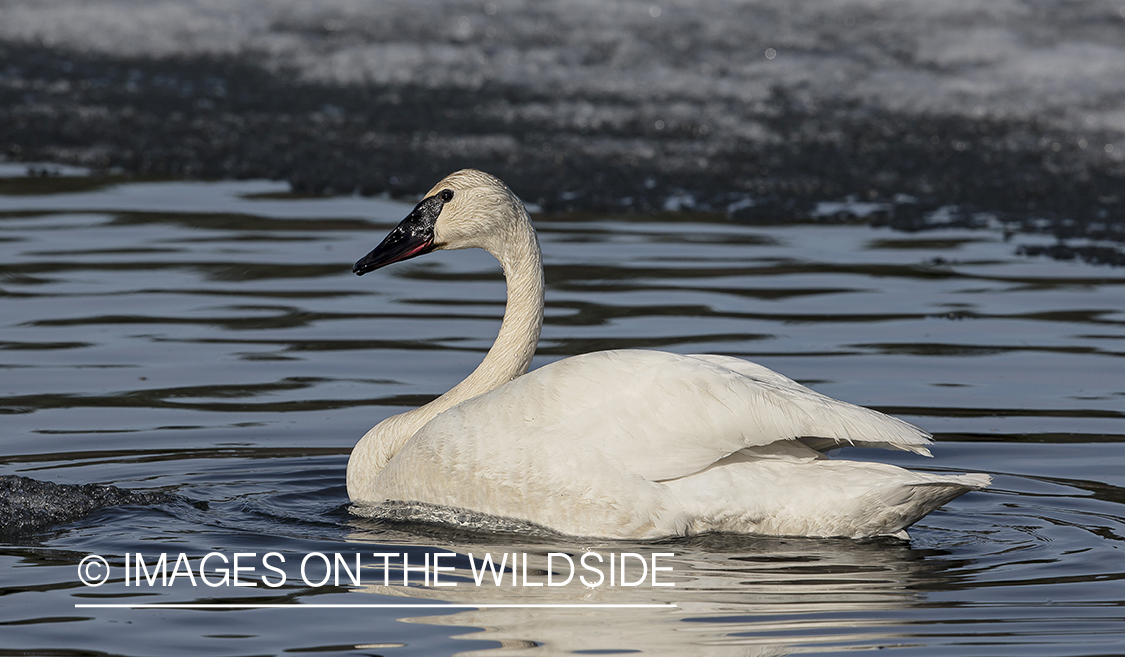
[
  {"x": 511, "y": 353},
  {"x": 509, "y": 357}
]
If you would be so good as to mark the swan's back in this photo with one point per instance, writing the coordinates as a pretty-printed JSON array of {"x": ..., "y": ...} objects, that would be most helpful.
[
  {"x": 668, "y": 415},
  {"x": 642, "y": 443}
]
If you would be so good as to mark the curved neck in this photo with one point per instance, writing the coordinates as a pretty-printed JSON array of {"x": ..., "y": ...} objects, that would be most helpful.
[
  {"x": 511, "y": 353},
  {"x": 509, "y": 357}
]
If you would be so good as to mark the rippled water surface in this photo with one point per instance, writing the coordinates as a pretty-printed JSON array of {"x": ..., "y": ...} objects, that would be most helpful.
[{"x": 209, "y": 339}]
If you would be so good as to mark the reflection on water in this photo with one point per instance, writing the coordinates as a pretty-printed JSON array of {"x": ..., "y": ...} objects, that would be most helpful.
[
  {"x": 190, "y": 338},
  {"x": 732, "y": 596}
]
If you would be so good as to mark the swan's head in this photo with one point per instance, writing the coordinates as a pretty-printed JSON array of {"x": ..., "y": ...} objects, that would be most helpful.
[{"x": 467, "y": 209}]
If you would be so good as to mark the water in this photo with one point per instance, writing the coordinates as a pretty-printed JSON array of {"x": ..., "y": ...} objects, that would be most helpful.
[{"x": 208, "y": 339}]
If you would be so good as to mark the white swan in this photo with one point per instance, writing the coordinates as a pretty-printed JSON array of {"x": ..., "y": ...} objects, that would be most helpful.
[{"x": 630, "y": 443}]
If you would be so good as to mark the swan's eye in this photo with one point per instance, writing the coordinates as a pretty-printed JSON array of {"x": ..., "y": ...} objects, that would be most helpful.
[{"x": 446, "y": 195}]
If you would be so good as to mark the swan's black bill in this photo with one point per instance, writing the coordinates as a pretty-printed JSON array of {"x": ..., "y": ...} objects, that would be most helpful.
[{"x": 414, "y": 236}]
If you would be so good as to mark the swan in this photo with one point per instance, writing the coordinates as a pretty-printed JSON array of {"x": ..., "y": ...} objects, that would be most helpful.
[{"x": 625, "y": 444}]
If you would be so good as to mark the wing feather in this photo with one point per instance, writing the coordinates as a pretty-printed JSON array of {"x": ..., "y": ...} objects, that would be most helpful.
[{"x": 663, "y": 416}]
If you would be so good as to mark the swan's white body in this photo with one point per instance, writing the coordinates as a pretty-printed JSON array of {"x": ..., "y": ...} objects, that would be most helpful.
[{"x": 630, "y": 443}]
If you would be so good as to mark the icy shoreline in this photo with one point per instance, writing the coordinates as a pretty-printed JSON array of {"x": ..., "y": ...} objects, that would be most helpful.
[{"x": 764, "y": 111}]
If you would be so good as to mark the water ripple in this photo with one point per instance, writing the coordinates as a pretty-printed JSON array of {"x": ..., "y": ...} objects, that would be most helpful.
[{"x": 232, "y": 358}]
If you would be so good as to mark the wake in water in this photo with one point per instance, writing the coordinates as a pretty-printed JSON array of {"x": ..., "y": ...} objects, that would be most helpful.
[
  {"x": 448, "y": 519},
  {"x": 29, "y": 506}
]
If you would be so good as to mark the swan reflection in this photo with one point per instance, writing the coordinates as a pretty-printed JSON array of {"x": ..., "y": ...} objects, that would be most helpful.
[{"x": 730, "y": 595}]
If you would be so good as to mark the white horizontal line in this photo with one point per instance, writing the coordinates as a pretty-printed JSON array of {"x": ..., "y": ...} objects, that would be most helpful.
[{"x": 253, "y": 605}]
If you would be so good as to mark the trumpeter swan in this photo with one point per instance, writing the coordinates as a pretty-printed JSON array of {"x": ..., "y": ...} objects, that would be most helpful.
[{"x": 629, "y": 443}]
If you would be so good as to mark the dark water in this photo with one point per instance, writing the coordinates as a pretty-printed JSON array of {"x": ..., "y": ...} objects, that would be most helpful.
[{"x": 203, "y": 339}]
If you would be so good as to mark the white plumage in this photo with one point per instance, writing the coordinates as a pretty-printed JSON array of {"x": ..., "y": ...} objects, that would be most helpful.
[{"x": 629, "y": 443}]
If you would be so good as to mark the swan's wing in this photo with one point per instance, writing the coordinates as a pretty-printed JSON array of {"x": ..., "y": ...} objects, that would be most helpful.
[
  {"x": 643, "y": 444},
  {"x": 664, "y": 416},
  {"x": 903, "y": 436}
]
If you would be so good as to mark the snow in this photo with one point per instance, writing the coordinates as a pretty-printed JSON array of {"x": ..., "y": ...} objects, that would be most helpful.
[{"x": 1059, "y": 62}]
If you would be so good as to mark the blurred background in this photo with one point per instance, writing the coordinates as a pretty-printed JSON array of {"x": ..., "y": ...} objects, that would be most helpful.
[{"x": 912, "y": 113}]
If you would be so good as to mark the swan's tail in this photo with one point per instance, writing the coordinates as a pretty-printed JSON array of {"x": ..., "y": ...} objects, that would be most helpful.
[
  {"x": 823, "y": 498},
  {"x": 910, "y": 503}
]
